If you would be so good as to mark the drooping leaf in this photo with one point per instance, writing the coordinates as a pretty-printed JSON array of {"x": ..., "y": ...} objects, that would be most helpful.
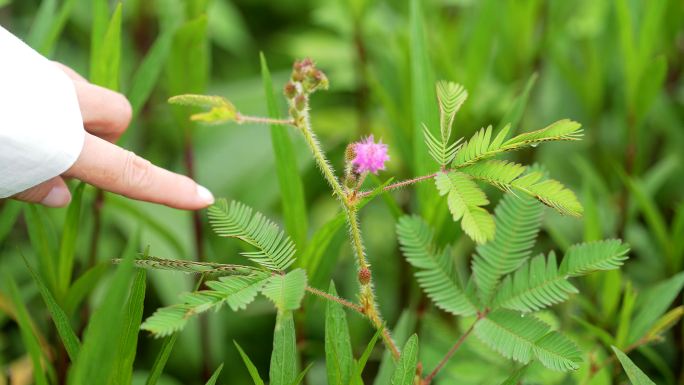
[
  {"x": 276, "y": 249},
  {"x": 236, "y": 291},
  {"x": 338, "y": 350},
  {"x": 435, "y": 273},
  {"x": 220, "y": 109},
  {"x": 465, "y": 199},
  {"x": 286, "y": 291}
]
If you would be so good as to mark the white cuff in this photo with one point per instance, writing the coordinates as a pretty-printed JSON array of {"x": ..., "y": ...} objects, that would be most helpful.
[{"x": 41, "y": 129}]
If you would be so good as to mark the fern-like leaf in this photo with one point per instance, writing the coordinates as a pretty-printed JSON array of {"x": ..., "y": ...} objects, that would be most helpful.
[
  {"x": 534, "y": 286},
  {"x": 435, "y": 270},
  {"x": 517, "y": 224},
  {"x": 451, "y": 97},
  {"x": 550, "y": 192},
  {"x": 561, "y": 130},
  {"x": 236, "y": 291},
  {"x": 465, "y": 199},
  {"x": 480, "y": 146},
  {"x": 275, "y": 249},
  {"x": 585, "y": 258},
  {"x": 511, "y": 334},
  {"x": 498, "y": 173},
  {"x": 557, "y": 352},
  {"x": 286, "y": 291},
  {"x": 440, "y": 151},
  {"x": 521, "y": 338}
]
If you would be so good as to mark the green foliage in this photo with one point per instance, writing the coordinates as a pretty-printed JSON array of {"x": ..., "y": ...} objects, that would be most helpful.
[
  {"x": 338, "y": 349},
  {"x": 636, "y": 375},
  {"x": 253, "y": 371},
  {"x": 528, "y": 285},
  {"x": 283, "y": 369},
  {"x": 534, "y": 286},
  {"x": 517, "y": 219},
  {"x": 405, "y": 372},
  {"x": 276, "y": 249},
  {"x": 289, "y": 179},
  {"x": 465, "y": 200},
  {"x": 236, "y": 291},
  {"x": 221, "y": 110},
  {"x": 450, "y": 97},
  {"x": 286, "y": 291},
  {"x": 214, "y": 377},
  {"x": 522, "y": 337},
  {"x": 435, "y": 273}
]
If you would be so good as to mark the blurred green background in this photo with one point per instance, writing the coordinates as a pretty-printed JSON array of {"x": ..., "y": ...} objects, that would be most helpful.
[{"x": 615, "y": 66}]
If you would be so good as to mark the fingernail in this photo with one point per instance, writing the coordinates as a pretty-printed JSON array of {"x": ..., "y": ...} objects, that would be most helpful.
[
  {"x": 59, "y": 196},
  {"x": 206, "y": 195}
]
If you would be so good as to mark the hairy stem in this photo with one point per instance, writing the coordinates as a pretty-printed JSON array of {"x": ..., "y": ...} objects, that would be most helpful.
[
  {"x": 259, "y": 119},
  {"x": 401, "y": 184},
  {"x": 366, "y": 295},
  {"x": 427, "y": 380},
  {"x": 330, "y": 297}
]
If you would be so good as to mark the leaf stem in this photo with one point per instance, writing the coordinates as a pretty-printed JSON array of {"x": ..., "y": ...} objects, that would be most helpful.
[
  {"x": 427, "y": 380},
  {"x": 401, "y": 184},
  {"x": 330, "y": 297},
  {"x": 259, "y": 119}
]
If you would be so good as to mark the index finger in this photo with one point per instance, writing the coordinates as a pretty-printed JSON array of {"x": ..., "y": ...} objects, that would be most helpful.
[{"x": 114, "y": 169}]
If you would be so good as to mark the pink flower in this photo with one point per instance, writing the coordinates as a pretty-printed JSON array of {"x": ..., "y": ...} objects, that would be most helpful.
[{"x": 369, "y": 156}]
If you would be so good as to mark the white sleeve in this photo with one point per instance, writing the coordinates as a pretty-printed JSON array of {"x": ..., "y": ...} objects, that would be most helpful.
[{"x": 41, "y": 129}]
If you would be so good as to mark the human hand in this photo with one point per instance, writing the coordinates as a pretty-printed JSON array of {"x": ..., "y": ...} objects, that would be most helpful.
[{"x": 106, "y": 115}]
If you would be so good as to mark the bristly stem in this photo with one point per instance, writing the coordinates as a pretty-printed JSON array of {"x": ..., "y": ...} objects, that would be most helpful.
[
  {"x": 366, "y": 295},
  {"x": 401, "y": 184},
  {"x": 337, "y": 299},
  {"x": 259, "y": 119},
  {"x": 427, "y": 380}
]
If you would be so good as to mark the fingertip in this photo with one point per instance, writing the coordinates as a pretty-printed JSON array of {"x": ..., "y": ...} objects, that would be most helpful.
[
  {"x": 59, "y": 196},
  {"x": 205, "y": 196}
]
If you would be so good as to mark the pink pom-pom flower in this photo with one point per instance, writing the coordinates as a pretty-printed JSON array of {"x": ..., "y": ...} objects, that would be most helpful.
[{"x": 369, "y": 156}]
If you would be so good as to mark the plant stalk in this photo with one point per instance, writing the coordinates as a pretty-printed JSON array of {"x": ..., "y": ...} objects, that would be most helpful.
[{"x": 366, "y": 295}]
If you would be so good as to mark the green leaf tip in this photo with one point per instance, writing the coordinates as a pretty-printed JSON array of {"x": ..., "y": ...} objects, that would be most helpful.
[{"x": 221, "y": 110}]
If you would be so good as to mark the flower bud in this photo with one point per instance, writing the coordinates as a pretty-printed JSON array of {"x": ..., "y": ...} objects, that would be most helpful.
[
  {"x": 290, "y": 90},
  {"x": 364, "y": 276},
  {"x": 300, "y": 102}
]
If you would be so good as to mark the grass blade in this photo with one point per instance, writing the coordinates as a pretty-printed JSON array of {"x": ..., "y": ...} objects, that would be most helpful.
[
  {"x": 214, "y": 377},
  {"x": 67, "y": 249},
  {"x": 147, "y": 74},
  {"x": 42, "y": 241},
  {"x": 8, "y": 217},
  {"x": 26, "y": 328},
  {"x": 161, "y": 360},
  {"x": 289, "y": 179},
  {"x": 636, "y": 375},
  {"x": 59, "y": 317},
  {"x": 253, "y": 371},
  {"x": 105, "y": 63},
  {"x": 97, "y": 362}
]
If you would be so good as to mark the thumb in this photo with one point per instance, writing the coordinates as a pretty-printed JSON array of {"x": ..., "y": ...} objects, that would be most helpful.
[{"x": 51, "y": 193}]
